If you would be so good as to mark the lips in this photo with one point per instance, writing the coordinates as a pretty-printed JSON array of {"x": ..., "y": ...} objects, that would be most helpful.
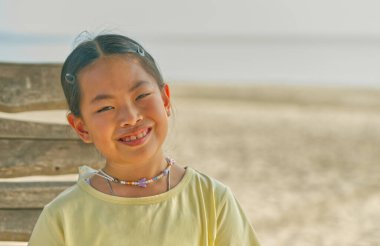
[{"x": 136, "y": 138}]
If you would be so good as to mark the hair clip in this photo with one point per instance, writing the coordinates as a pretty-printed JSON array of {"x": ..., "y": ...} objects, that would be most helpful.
[
  {"x": 140, "y": 51},
  {"x": 70, "y": 78}
]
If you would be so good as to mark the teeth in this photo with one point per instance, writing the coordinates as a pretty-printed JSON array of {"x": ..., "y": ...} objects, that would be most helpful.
[{"x": 131, "y": 138}]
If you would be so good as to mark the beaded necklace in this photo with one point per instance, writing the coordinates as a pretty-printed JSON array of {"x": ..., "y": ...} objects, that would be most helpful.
[{"x": 143, "y": 182}]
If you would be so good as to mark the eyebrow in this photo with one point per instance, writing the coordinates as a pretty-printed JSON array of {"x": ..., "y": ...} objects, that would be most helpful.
[
  {"x": 138, "y": 84},
  {"x": 101, "y": 97}
]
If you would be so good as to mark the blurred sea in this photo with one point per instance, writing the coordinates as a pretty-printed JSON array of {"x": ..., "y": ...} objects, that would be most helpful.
[{"x": 232, "y": 59}]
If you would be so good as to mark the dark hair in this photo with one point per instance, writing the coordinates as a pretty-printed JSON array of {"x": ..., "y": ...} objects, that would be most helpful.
[{"x": 92, "y": 49}]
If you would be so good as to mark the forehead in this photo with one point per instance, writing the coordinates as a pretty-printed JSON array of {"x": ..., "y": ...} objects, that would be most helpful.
[{"x": 112, "y": 74}]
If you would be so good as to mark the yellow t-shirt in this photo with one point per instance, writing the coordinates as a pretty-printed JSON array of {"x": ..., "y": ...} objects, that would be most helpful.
[{"x": 197, "y": 211}]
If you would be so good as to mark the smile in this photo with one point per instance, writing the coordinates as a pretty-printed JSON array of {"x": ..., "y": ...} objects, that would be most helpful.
[{"x": 137, "y": 138}]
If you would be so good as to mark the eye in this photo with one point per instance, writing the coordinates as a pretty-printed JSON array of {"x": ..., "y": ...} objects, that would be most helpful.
[
  {"x": 142, "y": 96},
  {"x": 104, "y": 109}
]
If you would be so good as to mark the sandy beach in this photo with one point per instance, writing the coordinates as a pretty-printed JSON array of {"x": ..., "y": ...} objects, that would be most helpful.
[
  {"x": 305, "y": 170},
  {"x": 302, "y": 161}
]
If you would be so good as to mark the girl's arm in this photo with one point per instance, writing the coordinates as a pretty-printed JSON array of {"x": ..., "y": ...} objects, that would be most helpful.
[
  {"x": 233, "y": 227},
  {"x": 46, "y": 231}
]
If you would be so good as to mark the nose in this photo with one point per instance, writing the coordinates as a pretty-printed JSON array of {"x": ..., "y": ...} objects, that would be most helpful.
[{"x": 129, "y": 116}]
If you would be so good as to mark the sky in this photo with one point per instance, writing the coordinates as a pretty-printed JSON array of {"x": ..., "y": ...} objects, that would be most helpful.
[
  {"x": 321, "y": 41},
  {"x": 248, "y": 17}
]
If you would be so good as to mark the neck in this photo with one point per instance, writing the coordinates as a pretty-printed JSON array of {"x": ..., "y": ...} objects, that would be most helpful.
[{"x": 136, "y": 169}]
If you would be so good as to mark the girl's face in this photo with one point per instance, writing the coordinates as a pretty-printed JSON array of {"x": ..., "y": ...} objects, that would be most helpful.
[{"x": 124, "y": 113}]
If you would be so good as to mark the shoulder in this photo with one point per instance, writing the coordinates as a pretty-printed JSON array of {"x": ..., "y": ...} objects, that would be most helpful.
[
  {"x": 49, "y": 226},
  {"x": 207, "y": 180},
  {"x": 231, "y": 224},
  {"x": 66, "y": 199},
  {"x": 73, "y": 195},
  {"x": 210, "y": 187}
]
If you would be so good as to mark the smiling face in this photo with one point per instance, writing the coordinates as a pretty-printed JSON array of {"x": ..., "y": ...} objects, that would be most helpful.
[{"x": 124, "y": 112}]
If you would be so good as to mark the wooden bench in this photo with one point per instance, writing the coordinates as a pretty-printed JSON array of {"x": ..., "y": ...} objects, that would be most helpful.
[{"x": 32, "y": 148}]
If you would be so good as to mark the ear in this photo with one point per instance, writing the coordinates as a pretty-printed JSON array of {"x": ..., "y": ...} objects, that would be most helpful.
[
  {"x": 79, "y": 127},
  {"x": 165, "y": 93}
]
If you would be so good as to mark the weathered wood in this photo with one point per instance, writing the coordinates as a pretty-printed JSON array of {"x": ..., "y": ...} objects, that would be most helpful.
[
  {"x": 32, "y": 130},
  {"x": 21, "y": 195},
  {"x": 25, "y": 87},
  {"x": 45, "y": 157},
  {"x": 17, "y": 224}
]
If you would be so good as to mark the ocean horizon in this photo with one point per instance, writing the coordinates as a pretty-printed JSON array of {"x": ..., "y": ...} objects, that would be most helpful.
[{"x": 342, "y": 61}]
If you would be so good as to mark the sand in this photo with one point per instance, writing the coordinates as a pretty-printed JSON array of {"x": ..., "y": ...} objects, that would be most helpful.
[
  {"x": 304, "y": 165},
  {"x": 302, "y": 161}
]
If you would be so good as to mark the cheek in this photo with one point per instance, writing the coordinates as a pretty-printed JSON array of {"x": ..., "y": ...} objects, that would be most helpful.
[
  {"x": 155, "y": 104},
  {"x": 99, "y": 126},
  {"x": 158, "y": 111}
]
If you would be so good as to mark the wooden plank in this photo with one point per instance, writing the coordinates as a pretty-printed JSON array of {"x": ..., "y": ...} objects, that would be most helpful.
[
  {"x": 33, "y": 130},
  {"x": 21, "y": 195},
  {"x": 45, "y": 157},
  {"x": 25, "y": 87},
  {"x": 17, "y": 224}
]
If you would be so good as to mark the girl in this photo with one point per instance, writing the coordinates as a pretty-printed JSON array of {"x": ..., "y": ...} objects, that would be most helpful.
[{"x": 119, "y": 102}]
